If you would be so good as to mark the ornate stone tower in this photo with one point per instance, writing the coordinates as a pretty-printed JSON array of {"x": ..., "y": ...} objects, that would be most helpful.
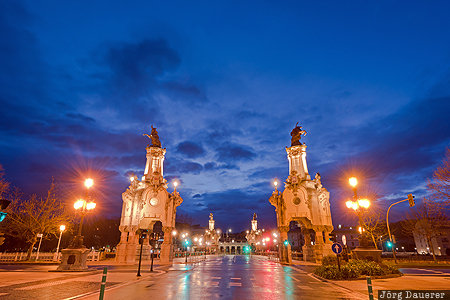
[
  {"x": 211, "y": 222},
  {"x": 305, "y": 201},
  {"x": 254, "y": 236},
  {"x": 254, "y": 223},
  {"x": 211, "y": 236},
  {"x": 146, "y": 202}
]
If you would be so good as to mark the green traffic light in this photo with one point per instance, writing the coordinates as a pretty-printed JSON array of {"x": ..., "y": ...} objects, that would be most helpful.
[{"x": 286, "y": 242}]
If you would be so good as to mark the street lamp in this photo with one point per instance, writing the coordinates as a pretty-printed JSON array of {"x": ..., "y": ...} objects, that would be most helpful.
[
  {"x": 275, "y": 183},
  {"x": 359, "y": 206},
  {"x": 83, "y": 206},
  {"x": 61, "y": 229}
]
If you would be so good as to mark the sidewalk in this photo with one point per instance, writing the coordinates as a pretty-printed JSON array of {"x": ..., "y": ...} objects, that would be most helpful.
[
  {"x": 38, "y": 282},
  {"x": 399, "y": 283}
]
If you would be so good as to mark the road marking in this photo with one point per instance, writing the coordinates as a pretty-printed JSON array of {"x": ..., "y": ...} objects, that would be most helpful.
[
  {"x": 235, "y": 284},
  {"x": 310, "y": 275},
  {"x": 235, "y": 278},
  {"x": 294, "y": 278},
  {"x": 47, "y": 284},
  {"x": 305, "y": 287},
  {"x": 216, "y": 277},
  {"x": 3, "y": 294}
]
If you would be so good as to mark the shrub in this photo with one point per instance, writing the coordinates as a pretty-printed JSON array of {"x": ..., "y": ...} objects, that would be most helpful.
[
  {"x": 328, "y": 272},
  {"x": 365, "y": 267},
  {"x": 354, "y": 269},
  {"x": 348, "y": 272},
  {"x": 390, "y": 269},
  {"x": 329, "y": 260}
]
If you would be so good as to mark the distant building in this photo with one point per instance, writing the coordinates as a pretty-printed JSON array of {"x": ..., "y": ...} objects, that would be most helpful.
[
  {"x": 295, "y": 237},
  {"x": 351, "y": 235},
  {"x": 441, "y": 242}
]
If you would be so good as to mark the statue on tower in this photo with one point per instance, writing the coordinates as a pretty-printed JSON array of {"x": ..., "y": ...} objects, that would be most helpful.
[
  {"x": 296, "y": 135},
  {"x": 211, "y": 216},
  {"x": 254, "y": 216},
  {"x": 154, "y": 138}
]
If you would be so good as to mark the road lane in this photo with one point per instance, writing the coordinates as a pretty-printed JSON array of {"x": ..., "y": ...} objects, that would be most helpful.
[{"x": 232, "y": 277}]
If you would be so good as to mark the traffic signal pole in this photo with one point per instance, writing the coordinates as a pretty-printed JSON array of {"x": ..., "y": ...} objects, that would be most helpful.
[{"x": 411, "y": 204}]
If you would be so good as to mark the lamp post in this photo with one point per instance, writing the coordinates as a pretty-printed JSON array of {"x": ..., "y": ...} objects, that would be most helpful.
[
  {"x": 142, "y": 236},
  {"x": 83, "y": 206},
  {"x": 61, "y": 229},
  {"x": 359, "y": 206}
]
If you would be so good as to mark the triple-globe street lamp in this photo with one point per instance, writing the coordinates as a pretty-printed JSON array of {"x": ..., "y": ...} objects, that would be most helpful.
[
  {"x": 360, "y": 206},
  {"x": 83, "y": 206}
]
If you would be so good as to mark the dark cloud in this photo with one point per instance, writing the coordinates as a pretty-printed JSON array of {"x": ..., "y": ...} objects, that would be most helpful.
[
  {"x": 214, "y": 166},
  {"x": 230, "y": 152},
  {"x": 137, "y": 64},
  {"x": 177, "y": 167},
  {"x": 191, "y": 149}
]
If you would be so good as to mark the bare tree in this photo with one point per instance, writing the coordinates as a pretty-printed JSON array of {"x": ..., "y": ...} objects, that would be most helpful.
[
  {"x": 426, "y": 220},
  {"x": 374, "y": 224},
  {"x": 35, "y": 215},
  {"x": 4, "y": 185},
  {"x": 439, "y": 185}
]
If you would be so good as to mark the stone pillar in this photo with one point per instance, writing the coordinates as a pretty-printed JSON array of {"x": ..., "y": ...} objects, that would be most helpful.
[
  {"x": 284, "y": 251},
  {"x": 132, "y": 248},
  {"x": 167, "y": 246},
  {"x": 122, "y": 248},
  {"x": 308, "y": 249}
]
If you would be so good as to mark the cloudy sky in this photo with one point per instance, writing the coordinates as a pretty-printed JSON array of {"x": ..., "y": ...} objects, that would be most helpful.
[{"x": 224, "y": 83}]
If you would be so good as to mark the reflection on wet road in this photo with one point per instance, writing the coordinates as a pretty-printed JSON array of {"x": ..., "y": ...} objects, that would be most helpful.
[{"x": 233, "y": 277}]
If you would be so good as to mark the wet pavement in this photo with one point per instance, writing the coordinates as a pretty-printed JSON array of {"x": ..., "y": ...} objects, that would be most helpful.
[{"x": 231, "y": 277}]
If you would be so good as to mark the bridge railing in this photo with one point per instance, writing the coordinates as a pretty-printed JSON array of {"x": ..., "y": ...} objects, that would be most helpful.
[{"x": 43, "y": 256}]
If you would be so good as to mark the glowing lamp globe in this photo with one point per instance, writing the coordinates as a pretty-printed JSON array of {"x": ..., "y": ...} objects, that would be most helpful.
[
  {"x": 89, "y": 182},
  {"x": 353, "y": 181}
]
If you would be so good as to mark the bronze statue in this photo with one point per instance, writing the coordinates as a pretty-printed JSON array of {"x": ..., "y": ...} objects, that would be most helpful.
[
  {"x": 210, "y": 216},
  {"x": 296, "y": 135},
  {"x": 254, "y": 216},
  {"x": 154, "y": 138}
]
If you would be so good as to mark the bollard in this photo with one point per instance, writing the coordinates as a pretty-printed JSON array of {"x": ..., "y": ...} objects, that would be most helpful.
[
  {"x": 369, "y": 287},
  {"x": 102, "y": 286}
]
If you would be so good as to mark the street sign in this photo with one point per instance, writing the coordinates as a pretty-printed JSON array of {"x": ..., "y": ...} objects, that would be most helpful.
[
  {"x": 344, "y": 240},
  {"x": 337, "y": 248},
  {"x": 39, "y": 235}
]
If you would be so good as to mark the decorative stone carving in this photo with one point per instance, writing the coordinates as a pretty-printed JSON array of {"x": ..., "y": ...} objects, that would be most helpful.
[
  {"x": 317, "y": 181},
  {"x": 303, "y": 200}
]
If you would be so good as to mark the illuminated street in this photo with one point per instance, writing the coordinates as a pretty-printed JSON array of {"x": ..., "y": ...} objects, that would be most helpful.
[
  {"x": 224, "y": 150},
  {"x": 232, "y": 277}
]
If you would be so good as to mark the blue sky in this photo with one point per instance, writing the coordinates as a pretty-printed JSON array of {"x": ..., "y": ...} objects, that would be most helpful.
[{"x": 224, "y": 83}]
